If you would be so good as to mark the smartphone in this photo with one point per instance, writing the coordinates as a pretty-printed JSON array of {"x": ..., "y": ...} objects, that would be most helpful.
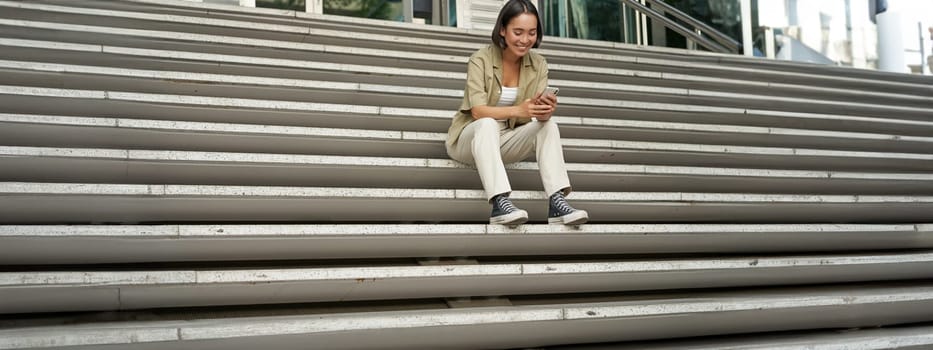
[{"x": 550, "y": 90}]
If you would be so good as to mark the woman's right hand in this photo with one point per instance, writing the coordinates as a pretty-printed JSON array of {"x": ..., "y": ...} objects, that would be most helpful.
[{"x": 530, "y": 109}]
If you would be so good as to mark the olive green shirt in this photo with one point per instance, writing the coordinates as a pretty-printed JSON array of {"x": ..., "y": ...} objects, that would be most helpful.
[{"x": 484, "y": 86}]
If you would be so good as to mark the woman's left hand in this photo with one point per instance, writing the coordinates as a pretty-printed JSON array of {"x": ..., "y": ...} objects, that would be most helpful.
[{"x": 549, "y": 100}]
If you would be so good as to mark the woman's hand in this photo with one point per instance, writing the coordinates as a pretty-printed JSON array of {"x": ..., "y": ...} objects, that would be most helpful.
[
  {"x": 530, "y": 108},
  {"x": 550, "y": 102},
  {"x": 540, "y": 108}
]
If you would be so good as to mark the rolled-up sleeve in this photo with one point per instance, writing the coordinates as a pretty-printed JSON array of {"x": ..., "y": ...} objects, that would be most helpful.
[
  {"x": 542, "y": 76},
  {"x": 475, "y": 93}
]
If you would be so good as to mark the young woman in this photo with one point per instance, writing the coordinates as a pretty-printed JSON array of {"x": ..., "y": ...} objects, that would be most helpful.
[{"x": 505, "y": 116}]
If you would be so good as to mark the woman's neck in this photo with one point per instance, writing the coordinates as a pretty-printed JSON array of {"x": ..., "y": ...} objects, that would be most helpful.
[{"x": 509, "y": 58}]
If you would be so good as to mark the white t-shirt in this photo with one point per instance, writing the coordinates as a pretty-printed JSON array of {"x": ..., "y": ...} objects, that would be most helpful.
[{"x": 509, "y": 94}]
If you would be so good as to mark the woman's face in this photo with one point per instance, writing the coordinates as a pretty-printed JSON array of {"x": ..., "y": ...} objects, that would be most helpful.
[{"x": 520, "y": 34}]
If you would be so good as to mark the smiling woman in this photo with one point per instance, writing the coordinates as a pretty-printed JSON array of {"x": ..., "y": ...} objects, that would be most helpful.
[{"x": 506, "y": 117}]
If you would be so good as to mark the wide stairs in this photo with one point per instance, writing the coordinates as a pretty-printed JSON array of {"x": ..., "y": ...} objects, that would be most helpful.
[{"x": 178, "y": 175}]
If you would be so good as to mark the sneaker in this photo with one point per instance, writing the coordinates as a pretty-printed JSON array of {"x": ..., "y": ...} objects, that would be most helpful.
[
  {"x": 505, "y": 213},
  {"x": 560, "y": 212}
]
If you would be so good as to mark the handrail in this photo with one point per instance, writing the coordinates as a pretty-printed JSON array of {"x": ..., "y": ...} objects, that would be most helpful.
[
  {"x": 721, "y": 38},
  {"x": 720, "y": 43}
]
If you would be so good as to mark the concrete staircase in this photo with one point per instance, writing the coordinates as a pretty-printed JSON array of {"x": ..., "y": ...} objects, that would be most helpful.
[{"x": 178, "y": 175}]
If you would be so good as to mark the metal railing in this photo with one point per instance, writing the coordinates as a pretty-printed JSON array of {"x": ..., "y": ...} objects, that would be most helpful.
[{"x": 700, "y": 33}]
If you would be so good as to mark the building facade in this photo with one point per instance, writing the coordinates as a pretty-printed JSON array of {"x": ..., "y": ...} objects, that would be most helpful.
[{"x": 838, "y": 32}]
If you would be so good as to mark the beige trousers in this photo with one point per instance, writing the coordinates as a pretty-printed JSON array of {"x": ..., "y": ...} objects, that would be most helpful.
[{"x": 489, "y": 144}]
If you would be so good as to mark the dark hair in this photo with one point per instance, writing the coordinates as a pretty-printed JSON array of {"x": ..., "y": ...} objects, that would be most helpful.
[{"x": 512, "y": 9}]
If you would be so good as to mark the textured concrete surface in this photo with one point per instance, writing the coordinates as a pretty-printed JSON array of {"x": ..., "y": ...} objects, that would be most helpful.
[
  {"x": 374, "y": 37},
  {"x": 133, "y": 162},
  {"x": 753, "y": 309}
]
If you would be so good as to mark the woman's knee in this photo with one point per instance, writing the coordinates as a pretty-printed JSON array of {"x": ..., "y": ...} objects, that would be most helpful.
[
  {"x": 549, "y": 127},
  {"x": 486, "y": 123}
]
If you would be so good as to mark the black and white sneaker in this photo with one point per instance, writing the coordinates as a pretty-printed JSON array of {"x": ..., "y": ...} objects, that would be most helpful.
[
  {"x": 560, "y": 212},
  {"x": 505, "y": 213}
]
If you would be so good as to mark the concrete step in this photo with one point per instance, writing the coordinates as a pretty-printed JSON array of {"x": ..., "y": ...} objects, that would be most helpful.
[
  {"x": 106, "y": 244},
  {"x": 636, "y": 81},
  {"x": 511, "y": 326},
  {"x": 402, "y": 97},
  {"x": 585, "y": 106},
  {"x": 596, "y": 95},
  {"x": 914, "y": 336},
  {"x": 362, "y": 25},
  {"x": 596, "y": 98},
  {"x": 402, "y": 42},
  {"x": 670, "y": 71},
  {"x": 58, "y": 131},
  {"x": 452, "y": 67},
  {"x": 481, "y": 36},
  {"x": 134, "y": 166},
  {"x": 185, "y": 123},
  {"x": 108, "y": 290},
  {"x": 225, "y": 85},
  {"x": 30, "y": 202}
]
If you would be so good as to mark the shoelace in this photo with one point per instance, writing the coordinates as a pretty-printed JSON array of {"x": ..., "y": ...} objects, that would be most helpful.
[
  {"x": 505, "y": 204},
  {"x": 561, "y": 204}
]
